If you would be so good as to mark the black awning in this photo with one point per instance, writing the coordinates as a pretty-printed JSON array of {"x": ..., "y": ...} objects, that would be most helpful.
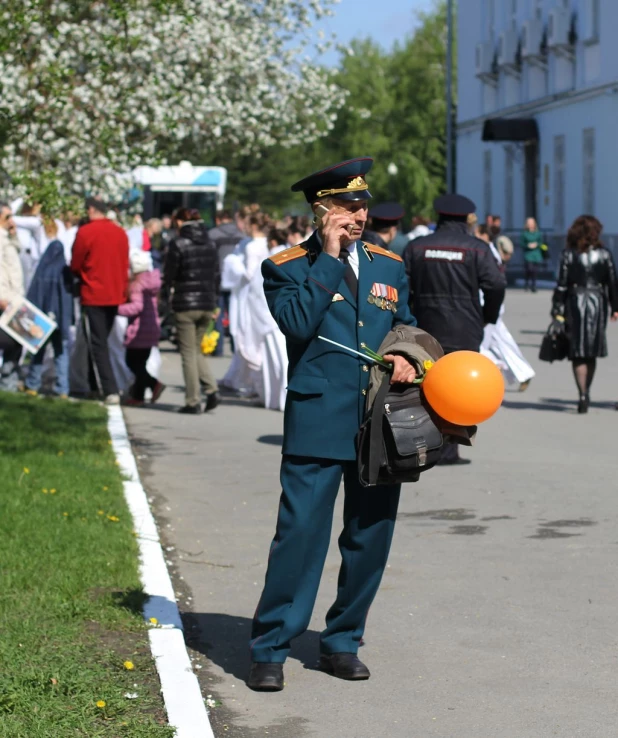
[{"x": 511, "y": 129}]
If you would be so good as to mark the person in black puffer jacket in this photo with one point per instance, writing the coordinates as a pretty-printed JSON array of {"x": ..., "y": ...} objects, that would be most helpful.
[{"x": 192, "y": 278}]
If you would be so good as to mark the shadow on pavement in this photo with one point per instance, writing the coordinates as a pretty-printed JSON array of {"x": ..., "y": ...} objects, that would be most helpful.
[
  {"x": 271, "y": 440},
  {"x": 535, "y": 406},
  {"x": 224, "y": 639},
  {"x": 554, "y": 404}
]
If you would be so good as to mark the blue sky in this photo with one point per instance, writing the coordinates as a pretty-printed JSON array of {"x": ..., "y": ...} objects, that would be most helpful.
[{"x": 385, "y": 21}]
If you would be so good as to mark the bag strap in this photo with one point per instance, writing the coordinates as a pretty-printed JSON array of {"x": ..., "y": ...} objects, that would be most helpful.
[{"x": 376, "y": 431}]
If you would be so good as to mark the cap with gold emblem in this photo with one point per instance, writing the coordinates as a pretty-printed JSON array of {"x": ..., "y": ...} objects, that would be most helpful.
[{"x": 344, "y": 181}]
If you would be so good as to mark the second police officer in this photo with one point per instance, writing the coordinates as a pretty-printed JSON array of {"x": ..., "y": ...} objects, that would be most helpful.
[
  {"x": 448, "y": 271},
  {"x": 384, "y": 231}
]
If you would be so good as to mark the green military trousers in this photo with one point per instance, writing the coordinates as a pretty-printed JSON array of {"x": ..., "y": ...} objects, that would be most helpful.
[{"x": 299, "y": 549}]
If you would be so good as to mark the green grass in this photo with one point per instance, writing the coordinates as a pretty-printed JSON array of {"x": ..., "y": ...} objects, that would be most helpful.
[{"x": 70, "y": 596}]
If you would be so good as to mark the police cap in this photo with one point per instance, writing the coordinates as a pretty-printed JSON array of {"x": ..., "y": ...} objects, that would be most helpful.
[
  {"x": 456, "y": 205},
  {"x": 389, "y": 212},
  {"x": 344, "y": 181}
]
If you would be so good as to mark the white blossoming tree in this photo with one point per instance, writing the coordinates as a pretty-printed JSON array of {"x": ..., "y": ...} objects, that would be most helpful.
[{"x": 90, "y": 88}]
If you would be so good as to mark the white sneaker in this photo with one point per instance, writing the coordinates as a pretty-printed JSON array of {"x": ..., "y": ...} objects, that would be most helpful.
[{"x": 112, "y": 400}]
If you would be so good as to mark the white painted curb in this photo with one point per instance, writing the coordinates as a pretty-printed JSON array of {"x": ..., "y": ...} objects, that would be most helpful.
[{"x": 185, "y": 706}]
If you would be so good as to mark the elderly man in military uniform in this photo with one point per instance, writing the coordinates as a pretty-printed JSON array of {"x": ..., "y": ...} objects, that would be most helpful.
[
  {"x": 384, "y": 220},
  {"x": 448, "y": 271},
  {"x": 338, "y": 287}
]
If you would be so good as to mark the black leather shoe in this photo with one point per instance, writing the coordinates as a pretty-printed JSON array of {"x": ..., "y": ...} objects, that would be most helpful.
[
  {"x": 265, "y": 677},
  {"x": 344, "y": 666},
  {"x": 190, "y": 410},
  {"x": 582, "y": 405},
  {"x": 212, "y": 401}
]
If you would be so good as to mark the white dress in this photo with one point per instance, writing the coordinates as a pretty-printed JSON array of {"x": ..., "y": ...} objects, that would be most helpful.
[
  {"x": 271, "y": 345},
  {"x": 239, "y": 268},
  {"x": 500, "y": 346}
]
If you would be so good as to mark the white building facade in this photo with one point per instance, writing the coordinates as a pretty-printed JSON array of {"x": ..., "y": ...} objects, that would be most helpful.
[{"x": 537, "y": 124}]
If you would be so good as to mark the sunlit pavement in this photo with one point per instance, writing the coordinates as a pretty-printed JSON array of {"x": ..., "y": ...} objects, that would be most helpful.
[{"x": 497, "y": 613}]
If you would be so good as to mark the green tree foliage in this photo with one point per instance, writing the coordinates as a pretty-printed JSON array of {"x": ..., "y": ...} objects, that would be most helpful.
[{"x": 395, "y": 111}]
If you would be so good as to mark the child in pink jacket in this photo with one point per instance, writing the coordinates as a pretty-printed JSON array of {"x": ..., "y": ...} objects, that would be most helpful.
[{"x": 144, "y": 325}]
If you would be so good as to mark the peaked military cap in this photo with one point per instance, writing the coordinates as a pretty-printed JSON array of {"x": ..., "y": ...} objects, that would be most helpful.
[
  {"x": 456, "y": 205},
  {"x": 345, "y": 181},
  {"x": 453, "y": 204},
  {"x": 388, "y": 213}
]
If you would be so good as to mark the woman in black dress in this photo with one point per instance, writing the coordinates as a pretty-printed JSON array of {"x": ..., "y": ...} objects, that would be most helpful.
[{"x": 585, "y": 295}]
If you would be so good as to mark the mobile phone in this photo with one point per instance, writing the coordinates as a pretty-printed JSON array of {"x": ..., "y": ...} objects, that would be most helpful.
[{"x": 320, "y": 212}]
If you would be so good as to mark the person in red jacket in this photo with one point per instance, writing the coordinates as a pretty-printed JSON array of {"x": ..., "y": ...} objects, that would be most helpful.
[{"x": 101, "y": 261}]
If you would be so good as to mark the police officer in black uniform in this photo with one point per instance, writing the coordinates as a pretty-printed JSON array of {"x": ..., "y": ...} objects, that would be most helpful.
[
  {"x": 384, "y": 227},
  {"x": 447, "y": 271}
]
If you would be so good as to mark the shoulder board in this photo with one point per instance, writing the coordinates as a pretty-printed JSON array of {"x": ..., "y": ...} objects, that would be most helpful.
[
  {"x": 288, "y": 255},
  {"x": 379, "y": 250}
]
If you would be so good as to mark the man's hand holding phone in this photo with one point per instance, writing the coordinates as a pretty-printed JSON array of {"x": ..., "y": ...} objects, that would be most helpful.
[{"x": 335, "y": 228}]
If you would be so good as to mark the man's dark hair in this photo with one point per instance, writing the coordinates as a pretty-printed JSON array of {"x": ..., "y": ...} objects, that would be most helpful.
[
  {"x": 97, "y": 204},
  {"x": 224, "y": 215},
  {"x": 482, "y": 229}
]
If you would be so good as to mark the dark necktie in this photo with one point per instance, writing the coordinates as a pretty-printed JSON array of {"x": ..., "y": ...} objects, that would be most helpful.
[{"x": 349, "y": 276}]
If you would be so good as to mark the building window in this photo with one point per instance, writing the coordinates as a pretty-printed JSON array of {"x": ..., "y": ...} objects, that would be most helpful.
[
  {"x": 538, "y": 9},
  {"x": 596, "y": 14},
  {"x": 487, "y": 182},
  {"x": 509, "y": 163},
  {"x": 489, "y": 8},
  {"x": 588, "y": 169},
  {"x": 513, "y": 8},
  {"x": 559, "y": 183}
]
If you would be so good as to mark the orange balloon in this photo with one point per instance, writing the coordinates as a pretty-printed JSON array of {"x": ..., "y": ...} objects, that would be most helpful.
[{"x": 464, "y": 388}]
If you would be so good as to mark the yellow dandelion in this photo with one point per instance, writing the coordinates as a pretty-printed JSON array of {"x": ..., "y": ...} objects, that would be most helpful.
[
  {"x": 60, "y": 453},
  {"x": 26, "y": 470},
  {"x": 66, "y": 515},
  {"x": 44, "y": 491},
  {"x": 154, "y": 621},
  {"x": 113, "y": 518},
  {"x": 101, "y": 703},
  {"x": 427, "y": 365},
  {"x": 52, "y": 491},
  {"x": 105, "y": 489},
  {"x": 100, "y": 512},
  {"x": 129, "y": 665}
]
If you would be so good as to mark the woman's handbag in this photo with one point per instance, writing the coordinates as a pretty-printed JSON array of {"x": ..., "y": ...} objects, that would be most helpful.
[{"x": 555, "y": 343}]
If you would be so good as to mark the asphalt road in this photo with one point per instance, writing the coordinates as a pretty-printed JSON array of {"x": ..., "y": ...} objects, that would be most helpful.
[{"x": 497, "y": 613}]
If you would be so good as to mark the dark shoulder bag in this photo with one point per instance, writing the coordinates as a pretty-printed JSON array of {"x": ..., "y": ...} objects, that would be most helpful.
[{"x": 399, "y": 437}]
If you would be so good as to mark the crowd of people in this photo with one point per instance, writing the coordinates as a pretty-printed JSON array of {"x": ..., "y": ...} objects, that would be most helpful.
[{"x": 110, "y": 288}]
